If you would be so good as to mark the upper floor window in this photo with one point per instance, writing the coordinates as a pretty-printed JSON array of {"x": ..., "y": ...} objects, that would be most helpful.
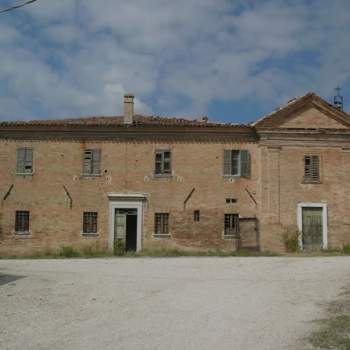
[
  {"x": 89, "y": 222},
  {"x": 311, "y": 168},
  {"x": 22, "y": 222},
  {"x": 236, "y": 163},
  {"x": 92, "y": 162},
  {"x": 24, "y": 161},
  {"x": 231, "y": 225},
  {"x": 163, "y": 162}
]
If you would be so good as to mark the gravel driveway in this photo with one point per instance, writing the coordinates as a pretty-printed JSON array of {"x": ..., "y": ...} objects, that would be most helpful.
[{"x": 165, "y": 303}]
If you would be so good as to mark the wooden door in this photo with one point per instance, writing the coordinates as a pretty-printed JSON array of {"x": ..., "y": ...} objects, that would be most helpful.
[{"x": 312, "y": 228}]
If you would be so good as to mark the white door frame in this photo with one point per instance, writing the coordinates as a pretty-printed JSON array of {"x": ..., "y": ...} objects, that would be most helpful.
[
  {"x": 324, "y": 221},
  {"x": 126, "y": 201}
]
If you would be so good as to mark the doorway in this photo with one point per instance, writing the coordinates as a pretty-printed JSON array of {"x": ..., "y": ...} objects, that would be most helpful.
[
  {"x": 312, "y": 223},
  {"x": 126, "y": 228}
]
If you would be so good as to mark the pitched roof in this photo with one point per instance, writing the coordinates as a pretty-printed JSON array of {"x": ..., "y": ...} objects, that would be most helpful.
[
  {"x": 139, "y": 120},
  {"x": 279, "y": 115}
]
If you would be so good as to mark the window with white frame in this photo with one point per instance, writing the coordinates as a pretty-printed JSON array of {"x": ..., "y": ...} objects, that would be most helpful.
[
  {"x": 24, "y": 161},
  {"x": 237, "y": 163},
  {"x": 162, "y": 162}
]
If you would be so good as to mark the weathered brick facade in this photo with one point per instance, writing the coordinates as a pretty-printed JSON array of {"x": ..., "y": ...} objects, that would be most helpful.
[{"x": 57, "y": 193}]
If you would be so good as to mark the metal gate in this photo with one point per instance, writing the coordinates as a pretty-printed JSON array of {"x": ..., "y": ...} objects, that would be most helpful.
[{"x": 312, "y": 229}]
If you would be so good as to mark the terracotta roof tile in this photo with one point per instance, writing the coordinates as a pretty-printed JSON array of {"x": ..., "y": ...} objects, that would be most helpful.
[{"x": 139, "y": 120}]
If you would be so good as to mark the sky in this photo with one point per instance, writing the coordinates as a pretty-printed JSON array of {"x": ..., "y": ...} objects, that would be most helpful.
[{"x": 230, "y": 60}]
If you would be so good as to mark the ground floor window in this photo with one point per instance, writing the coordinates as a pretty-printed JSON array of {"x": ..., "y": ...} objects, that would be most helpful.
[
  {"x": 161, "y": 223},
  {"x": 90, "y": 222},
  {"x": 22, "y": 221},
  {"x": 231, "y": 225}
]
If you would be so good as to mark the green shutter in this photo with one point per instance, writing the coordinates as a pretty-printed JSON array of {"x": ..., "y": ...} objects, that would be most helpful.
[
  {"x": 245, "y": 163},
  {"x": 227, "y": 162}
]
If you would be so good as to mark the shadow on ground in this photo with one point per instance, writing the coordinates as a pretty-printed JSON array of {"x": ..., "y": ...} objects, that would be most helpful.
[{"x": 4, "y": 279}]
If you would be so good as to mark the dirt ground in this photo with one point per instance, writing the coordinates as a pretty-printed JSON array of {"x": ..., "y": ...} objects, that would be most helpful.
[{"x": 166, "y": 303}]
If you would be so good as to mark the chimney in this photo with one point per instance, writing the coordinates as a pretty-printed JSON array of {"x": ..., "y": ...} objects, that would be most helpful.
[{"x": 128, "y": 108}]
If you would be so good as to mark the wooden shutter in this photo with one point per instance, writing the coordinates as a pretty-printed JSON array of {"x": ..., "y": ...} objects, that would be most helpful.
[
  {"x": 21, "y": 156},
  {"x": 311, "y": 168},
  {"x": 28, "y": 166},
  {"x": 245, "y": 163},
  {"x": 96, "y": 162},
  {"x": 227, "y": 162},
  {"x": 87, "y": 167}
]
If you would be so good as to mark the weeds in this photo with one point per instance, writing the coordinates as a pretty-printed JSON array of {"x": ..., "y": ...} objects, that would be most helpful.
[
  {"x": 291, "y": 241},
  {"x": 334, "y": 331}
]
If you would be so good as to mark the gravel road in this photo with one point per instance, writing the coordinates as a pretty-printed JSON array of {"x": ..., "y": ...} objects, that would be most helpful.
[{"x": 166, "y": 303}]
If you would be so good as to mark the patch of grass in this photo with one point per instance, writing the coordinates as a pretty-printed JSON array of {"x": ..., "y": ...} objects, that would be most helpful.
[
  {"x": 346, "y": 249},
  {"x": 174, "y": 252},
  {"x": 334, "y": 331},
  {"x": 68, "y": 252}
]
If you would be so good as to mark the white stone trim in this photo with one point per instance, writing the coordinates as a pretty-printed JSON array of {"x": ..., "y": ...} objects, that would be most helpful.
[
  {"x": 118, "y": 201},
  {"x": 324, "y": 221}
]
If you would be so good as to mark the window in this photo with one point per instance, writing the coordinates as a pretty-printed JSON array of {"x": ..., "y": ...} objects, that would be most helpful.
[
  {"x": 161, "y": 224},
  {"x": 22, "y": 221},
  {"x": 90, "y": 222},
  {"x": 231, "y": 225},
  {"x": 311, "y": 168},
  {"x": 92, "y": 162},
  {"x": 237, "y": 163},
  {"x": 24, "y": 161},
  {"x": 231, "y": 200},
  {"x": 196, "y": 215},
  {"x": 163, "y": 162}
]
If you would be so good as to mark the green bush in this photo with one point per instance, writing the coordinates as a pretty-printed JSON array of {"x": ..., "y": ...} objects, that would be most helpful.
[
  {"x": 346, "y": 249},
  {"x": 119, "y": 247},
  {"x": 68, "y": 252},
  {"x": 291, "y": 242}
]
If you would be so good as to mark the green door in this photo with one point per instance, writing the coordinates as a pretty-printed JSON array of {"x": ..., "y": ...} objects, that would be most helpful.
[{"x": 312, "y": 229}]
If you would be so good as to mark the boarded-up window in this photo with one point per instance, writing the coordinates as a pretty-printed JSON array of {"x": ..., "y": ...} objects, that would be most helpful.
[
  {"x": 311, "y": 168},
  {"x": 24, "y": 161},
  {"x": 22, "y": 221},
  {"x": 161, "y": 223},
  {"x": 163, "y": 162},
  {"x": 90, "y": 222},
  {"x": 231, "y": 225},
  {"x": 92, "y": 162},
  {"x": 237, "y": 163}
]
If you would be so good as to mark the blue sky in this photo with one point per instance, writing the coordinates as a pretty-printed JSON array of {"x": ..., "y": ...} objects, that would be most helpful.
[{"x": 231, "y": 60}]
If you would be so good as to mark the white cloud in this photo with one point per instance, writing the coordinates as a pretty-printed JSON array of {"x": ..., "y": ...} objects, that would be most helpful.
[{"x": 68, "y": 57}]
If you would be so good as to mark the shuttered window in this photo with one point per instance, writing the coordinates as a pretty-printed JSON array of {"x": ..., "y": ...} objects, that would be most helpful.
[
  {"x": 92, "y": 162},
  {"x": 161, "y": 224},
  {"x": 237, "y": 163},
  {"x": 312, "y": 168},
  {"x": 22, "y": 221},
  {"x": 24, "y": 161},
  {"x": 163, "y": 162},
  {"x": 231, "y": 225},
  {"x": 90, "y": 222}
]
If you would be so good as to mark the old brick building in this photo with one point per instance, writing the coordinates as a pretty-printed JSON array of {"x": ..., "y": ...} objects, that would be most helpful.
[{"x": 154, "y": 182}]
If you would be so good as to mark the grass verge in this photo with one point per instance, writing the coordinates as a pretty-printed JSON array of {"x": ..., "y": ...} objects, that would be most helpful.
[{"x": 334, "y": 331}]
